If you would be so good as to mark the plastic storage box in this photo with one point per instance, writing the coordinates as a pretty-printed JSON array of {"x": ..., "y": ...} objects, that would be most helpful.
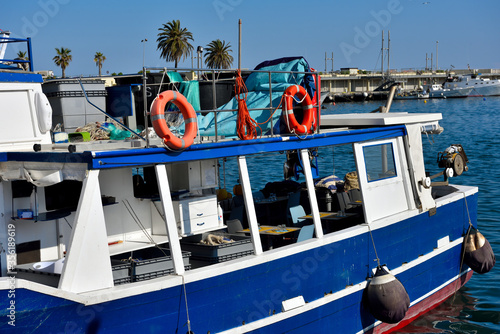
[
  {"x": 122, "y": 271},
  {"x": 241, "y": 246},
  {"x": 69, "y": 105},
  {"x": 153, "y": 262}
]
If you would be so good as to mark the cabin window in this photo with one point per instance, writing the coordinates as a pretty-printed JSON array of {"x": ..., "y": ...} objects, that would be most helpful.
[{"x": 379, "y": 162}]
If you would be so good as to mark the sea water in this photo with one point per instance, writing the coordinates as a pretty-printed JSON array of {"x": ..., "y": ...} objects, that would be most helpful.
[{"x": 475, "y": 124}]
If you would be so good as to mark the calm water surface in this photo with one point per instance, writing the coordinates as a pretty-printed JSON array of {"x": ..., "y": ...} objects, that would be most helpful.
[{"x": 474, "y": 123}]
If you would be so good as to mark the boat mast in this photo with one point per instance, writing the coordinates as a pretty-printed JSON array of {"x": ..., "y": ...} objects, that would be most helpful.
[
  {"x": 388, "y": 51},
  {"x": 382, "y": 52}
]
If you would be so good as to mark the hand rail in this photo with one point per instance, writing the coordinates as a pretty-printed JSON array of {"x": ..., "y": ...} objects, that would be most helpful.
[{"x": 214, "y": 79}]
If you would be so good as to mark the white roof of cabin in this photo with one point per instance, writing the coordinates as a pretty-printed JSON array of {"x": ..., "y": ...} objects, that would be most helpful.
[{"x": 378, "y": 119}]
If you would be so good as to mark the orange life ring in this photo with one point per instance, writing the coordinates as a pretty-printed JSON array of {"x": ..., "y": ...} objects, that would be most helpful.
[
  {"x": 160, "y": 125},
  {"x": 307, "y": 106}
]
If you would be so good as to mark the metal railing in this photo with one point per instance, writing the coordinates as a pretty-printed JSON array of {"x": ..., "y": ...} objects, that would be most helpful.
[
  {"x": 4, "y": 40},
  {"x": 215, "y": 79}
]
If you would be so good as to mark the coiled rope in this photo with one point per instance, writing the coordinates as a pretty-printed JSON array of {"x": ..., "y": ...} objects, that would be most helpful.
[{"x": 246, "y": 126}]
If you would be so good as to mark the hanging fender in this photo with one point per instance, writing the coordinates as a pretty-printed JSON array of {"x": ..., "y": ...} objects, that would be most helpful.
[
  {"x": 307, "y": 106},
  {"x": 477, "y": 252},
  {"x": 386, "y": 298},
  {"x": 160, "y": 125}
]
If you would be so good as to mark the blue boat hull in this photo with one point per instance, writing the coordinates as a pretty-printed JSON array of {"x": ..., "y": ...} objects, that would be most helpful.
[{"x": 329, "y": 278}]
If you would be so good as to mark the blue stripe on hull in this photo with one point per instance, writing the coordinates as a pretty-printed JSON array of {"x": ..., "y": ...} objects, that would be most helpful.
[{"x": 226, "y": 301}]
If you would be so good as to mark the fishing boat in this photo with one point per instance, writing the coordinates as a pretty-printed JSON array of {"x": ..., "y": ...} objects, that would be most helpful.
[
  {"x": 140, "y": 234},
  {"x": 437, "y": 91},
  {"x": 478, "y": 86},
  {"x": 411, "y": 95}
]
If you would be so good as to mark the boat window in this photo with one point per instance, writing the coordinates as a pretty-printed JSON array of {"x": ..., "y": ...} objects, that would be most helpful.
[{"x": 379, "y": 162}]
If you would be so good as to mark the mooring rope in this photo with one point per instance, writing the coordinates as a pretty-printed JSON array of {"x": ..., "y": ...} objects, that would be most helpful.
[
  {"x": 374, "y": 248},
  {"x": 186, "y": 302}
]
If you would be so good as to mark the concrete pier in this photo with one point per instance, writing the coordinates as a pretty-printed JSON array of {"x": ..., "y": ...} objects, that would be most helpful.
[{"x": 360, "y": 87}]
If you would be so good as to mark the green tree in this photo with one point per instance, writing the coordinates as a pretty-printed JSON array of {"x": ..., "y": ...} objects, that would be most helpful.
[
  {"x": 22, "y": 56},
  {"x": 62, "y": 59},
  {"x": 217, "y": 55},
  {"x": 173, "y": 41},
  {"x": 99, "y": 58}
]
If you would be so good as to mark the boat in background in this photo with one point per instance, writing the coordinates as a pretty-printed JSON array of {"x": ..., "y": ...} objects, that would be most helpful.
[
  {"x": 401, "y": 94},
  {"x": 414, "y": 95},
  {"x": 437, "y": 91},
  {"x": 477, "y": 85},
  {"x": 142, "y": 235}
]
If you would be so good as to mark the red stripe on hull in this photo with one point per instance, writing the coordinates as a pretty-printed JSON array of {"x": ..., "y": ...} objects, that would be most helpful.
[{"x": 425, "y": 305}]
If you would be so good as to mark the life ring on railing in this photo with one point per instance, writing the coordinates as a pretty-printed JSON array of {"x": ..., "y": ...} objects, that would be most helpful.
[
  {"x": 307, "y": 106},
  {"x": 160, "y": 125}
]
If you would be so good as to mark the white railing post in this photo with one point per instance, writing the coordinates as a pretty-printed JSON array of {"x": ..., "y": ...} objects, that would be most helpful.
[
  {"x": 249, "y": 205},
  {"x": 304, "y": 155},
  {"x": 170, "y": 222}
]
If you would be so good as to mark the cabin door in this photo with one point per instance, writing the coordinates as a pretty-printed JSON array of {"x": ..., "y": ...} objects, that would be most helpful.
[{"x": 383, "y": 177}]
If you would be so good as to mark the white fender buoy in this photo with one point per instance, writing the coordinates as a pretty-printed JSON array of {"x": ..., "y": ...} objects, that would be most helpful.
[
  {"x": 386, "y": 297},
  {"x": 478, "y": 254},
  {"x": 43, "y": 112}
]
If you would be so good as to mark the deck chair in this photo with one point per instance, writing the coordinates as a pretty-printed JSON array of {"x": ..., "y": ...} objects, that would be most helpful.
[
  {"x": 295, "y": 213},
  {"x": 355, "y": 195},
  {"x": 293, "y": 200},
  {"x": 306, "y": 232}
]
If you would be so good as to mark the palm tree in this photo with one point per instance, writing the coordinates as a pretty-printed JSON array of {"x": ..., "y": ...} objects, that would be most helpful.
[
  {"x": 173, "y": 41},
  {"x": 62, "y": 59},
  {"x": 22, "y": 56},
  {"x": 217, "y": 55},
  {"x": 99, "y": 58}
]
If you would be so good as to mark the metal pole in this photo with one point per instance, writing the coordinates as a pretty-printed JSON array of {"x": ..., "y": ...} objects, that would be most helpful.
[
  {"x": 30, "y": 54},
  {"x": 332, "y": 62},
  {"x": 143, "y": 50},
  {"x": 239, "y": 45},
  {"x": 325, "y": 62},
  {"x": 318, "y": 100},
  {"x": 437, "y": 43},
  {"x": 214, "y": 103},
  {"x": 382, "y": 61},
  {"x": 271, "y": 103},
  {"x": 145, "y": 98},
  {"x": 388, "y": 52}
]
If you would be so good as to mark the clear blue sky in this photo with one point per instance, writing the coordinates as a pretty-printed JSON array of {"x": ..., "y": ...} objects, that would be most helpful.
[{"x": 468, "y": 31}]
